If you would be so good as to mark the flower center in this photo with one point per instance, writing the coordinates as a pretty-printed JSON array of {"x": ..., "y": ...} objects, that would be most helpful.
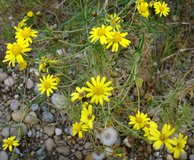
[
  {"x": 89, "y": 116},
  {"x": 26, "y": 33},
  {"x": 139, "y": 120},
  {"x": 16, "y": 49},
  {"x": 98, "y": 90},
  {"x": 47, "y": 85},
  {"x": 162, "y": 8},
  {"x": 162, "y": 137},
  {"x": 101, "y": 32},
  {"x": 117, "y": 37},
  {"x": 78, "y": 128},
  {"x": 9, "y": 142},
  {"x": 81, "y": 94},
  {"x": 179, "y": 145}
]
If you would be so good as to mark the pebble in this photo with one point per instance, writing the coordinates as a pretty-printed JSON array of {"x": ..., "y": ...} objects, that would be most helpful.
[
  {"x": 41, "y": 154},
  {"x": 29, "y": 83},
  {"x": 32, "y": 133},
  {"x": 191, "y": 157},
  {"x": 34, "y": 107},
  {"x": 63, "y": 158},
  {"x": 47, "y": 116},
  {"x": 65, "y": 150},
  {"x": 88, "y": 145},
  {"x": 9, "y": 82},
  {"x": 31, "y": 118},
  {"x": 17, "y": 115},
  {"x": 156, "y": 154},
  {"x": 14, "y": 104},
  {"x": 19, "y": 130},
  {"x": 58, "y": 131},
  {"x": 3, "y": 155},
  {"x": 49, "y": 143},
  {"x": 183, "y": 156},
  {"x": 169, "y": 157},
  {"x": 3, "y": 76},
  {"x": 58, "y": 100},
  {"x": 36, "y": 91},
  {"x": 78, "y": 155},
  {"x": 49, "y": 130},
  {"x": 190, "y": 141},
  {"x": 5, "y": 132},
  {"x": 76, "y": 146}
]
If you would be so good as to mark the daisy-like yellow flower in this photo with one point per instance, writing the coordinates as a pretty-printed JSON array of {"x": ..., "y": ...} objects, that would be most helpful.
[
  {"x": 98, "y": 90},
  {"x": 116, "y": 40},
  {"x": 87, "y": 116},
  {"x": 79, "y": 95},
  {"x": 15, "y": 51},
  {"x": 114, "y": 21},
  {"x": 143, "y": 9},
  {"x": 161, "y": 8},
  {"x": 10, "y": 142},
  {"x": 161, "y": 138},
  {"x": 45, "y": 63},
  {"x": 148, "y": 126},
  {"x": 30, "y": 14},
  {"x": 179, "y": 143},
  {"x": 139, "y": 120},
  {"x": 22, "y": 65},
  {"x": 101, "y": 33},
  {"x": 78, "y": 128},
  {"x": 26, "y": 34},
  {"x": 48, "y": 84}
]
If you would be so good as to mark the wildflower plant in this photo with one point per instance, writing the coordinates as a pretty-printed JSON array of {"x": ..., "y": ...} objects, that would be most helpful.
[{"x": 10, "y": 143}]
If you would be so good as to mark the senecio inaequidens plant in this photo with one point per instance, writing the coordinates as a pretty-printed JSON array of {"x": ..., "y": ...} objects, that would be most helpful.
[{"x": 98, "y": 90}]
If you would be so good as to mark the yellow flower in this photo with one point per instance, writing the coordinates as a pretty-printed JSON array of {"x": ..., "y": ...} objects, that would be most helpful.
[
  {"x": 15, "y": 51},
  {"x": 161, "y": 8},
  {"x": 10, "y": 143},
  {"x": 78, "y": 128},
  {"x": 98, "y": 90},
  {"x": 87, "y": 116},
  {"x": 139, "y": 1},
  {"x": 45, "y": 63},
  {"x": 139, "y": 120},
  {"x": 143, "y": 9},
  {"x": 179, "y": 143},
  {"x": 48, "y": 84},
  {"x": 25, "y": 34},
  {"x": 148, "y": 126},
  {"x": 161, "y": 138},
  {"x": 114, "y": 20},
  {"x": 79, "y": 95},
  {"x": 22, "y": 23},
  {"x": 152, "y": 3},
  {"x": 30, "y": 14},
  {"x": 118, "y": 38},
  {"x": 101, "y": 33},
  {"x": 22, "y": 65}
]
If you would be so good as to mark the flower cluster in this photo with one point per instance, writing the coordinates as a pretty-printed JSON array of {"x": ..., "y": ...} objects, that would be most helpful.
[
  {"x": 19, "y": 48},
  {"x": 86, "y": 120},
  {"x": 159, "y": 138},
  {"x": 160, "y": 8},
  {"x": 110, "y": 35},
  {"x": 10, "y": 142}
]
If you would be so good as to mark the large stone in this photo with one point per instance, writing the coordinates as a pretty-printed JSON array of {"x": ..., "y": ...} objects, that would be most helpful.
[
  {"x": 3, "y": 76},
  {"x": 31, "y": 118},
  {"x": 49, "y": 143},
  {"x": 58, "y": 100},
  {"x": 9, "y": 82}
]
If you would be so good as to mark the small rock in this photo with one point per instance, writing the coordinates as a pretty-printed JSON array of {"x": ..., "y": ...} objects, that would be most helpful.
[
  {"x": 58, "y": 100},
  {"x": 14, "y": 104},
  {"x": 36, "y": 91},
  {"x": 47, "y": 116},
  {"x": 3, "y": 76},
  {"x": 31, "y": 118},
  {"x": 58, "y": 131},
  {"x": 49, "y": 130},
  {"x": 183, "y": 156},
  {"x": 78, "y": 155},
  {"x": 169, "y": 157},
  {"x": 49, "y": 143},
  {"x": 96, "y": 156},
  {"x": 29, "y": 84},
  {"x": 18, "y": 115},
  {"x": 5, "y": 132},
  {"x": 34, "y": 107},
  {"x": 32, "y": 133},
  {"x": 88, "y": 145},
  {"x": 65, "y": 150},
  {"x": 18, "y": 130},
  {"x": 191, "y": 157},
  {"x": 190, "y": 141},
  {"x": 156, "y": 154},
  {"x": 9, "y": 82},
  {"x": 63, "y": 158},
  {"x": 76, "y": 146},
  {"x": 41, "y": 154},
  {"x": 3, "y": 155}
]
